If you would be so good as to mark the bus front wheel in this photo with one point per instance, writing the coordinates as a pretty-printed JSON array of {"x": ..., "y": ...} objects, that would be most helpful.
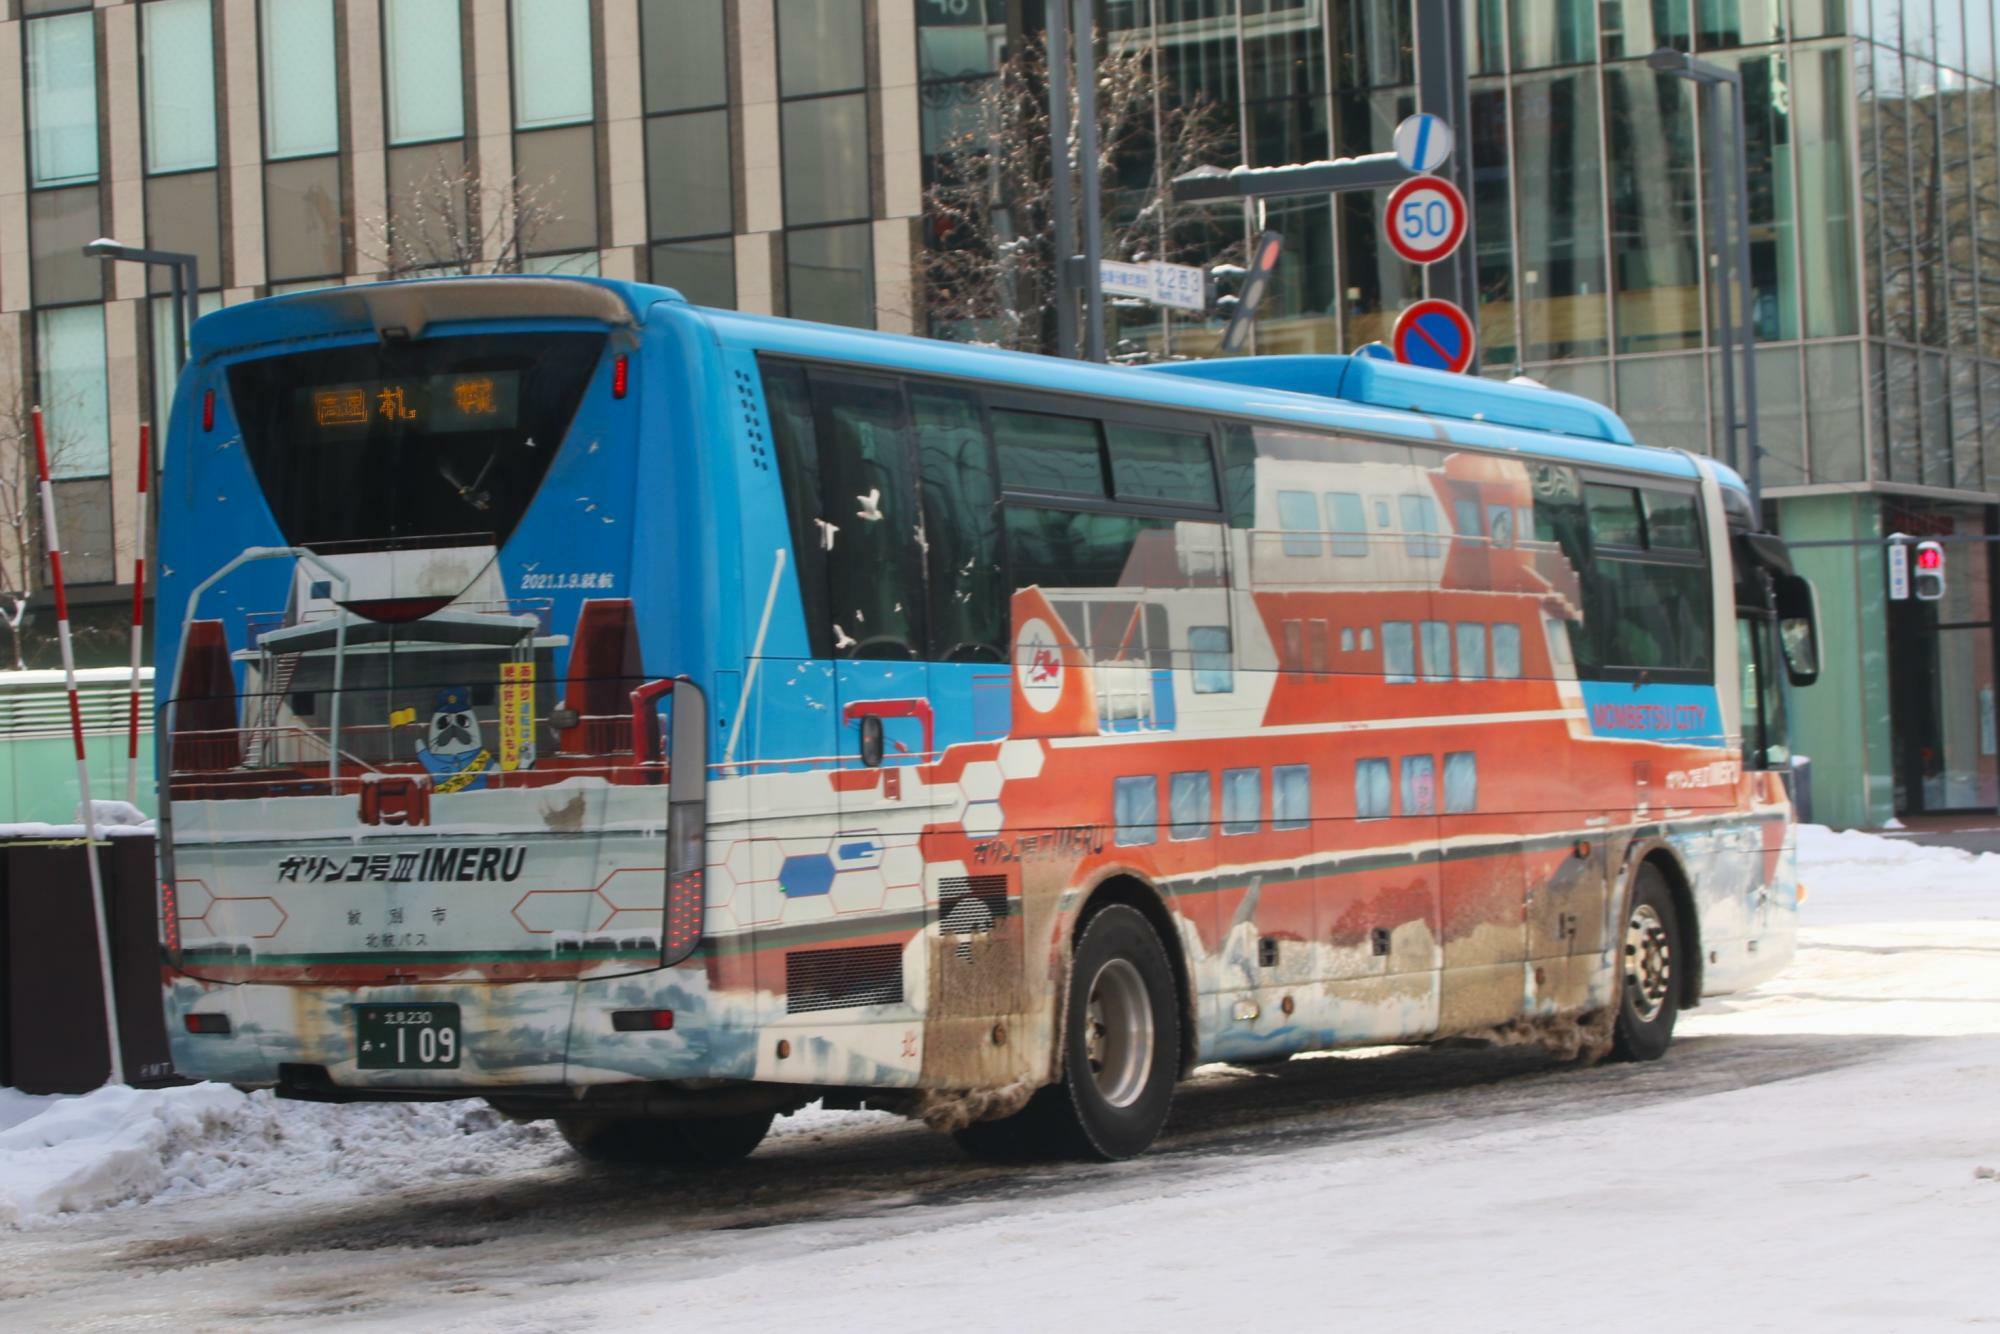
[
  {"x": 1649, "y": 969},
  {"x": 636, "y": 1141},
  {"x": 1121, "y": 1053}
]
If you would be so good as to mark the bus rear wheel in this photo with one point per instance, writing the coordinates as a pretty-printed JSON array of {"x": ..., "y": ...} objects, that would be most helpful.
[
  {"x": 1649, "y": 970},
  {"x": 689, "y": 1144},
  {"x": 1121, "y": 1053}
]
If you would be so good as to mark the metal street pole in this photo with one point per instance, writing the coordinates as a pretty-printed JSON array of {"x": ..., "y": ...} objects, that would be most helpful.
[
  {"x": 184, "y": 280},
  {"x": 1753, "y": 451},
  {"x": 1083, "y": 30},
  {"x": 1059, "y": 182},
  {"x": 1720, "y": 221}
]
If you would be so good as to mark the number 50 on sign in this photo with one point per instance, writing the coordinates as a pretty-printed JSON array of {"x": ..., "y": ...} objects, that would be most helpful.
[{"x": 1425, "y": 219}]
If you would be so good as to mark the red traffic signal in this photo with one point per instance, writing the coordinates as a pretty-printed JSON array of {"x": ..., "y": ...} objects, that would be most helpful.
[{"x": 1930, "y": 571}]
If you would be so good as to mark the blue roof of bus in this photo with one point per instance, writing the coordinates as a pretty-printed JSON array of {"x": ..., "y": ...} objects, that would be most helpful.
[{"x": 1338, "y": 392}]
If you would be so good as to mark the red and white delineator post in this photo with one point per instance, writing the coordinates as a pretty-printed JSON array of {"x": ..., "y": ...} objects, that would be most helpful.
[
  {"x": 138, "y": 609},
  {"x": 54, "y": 545}
]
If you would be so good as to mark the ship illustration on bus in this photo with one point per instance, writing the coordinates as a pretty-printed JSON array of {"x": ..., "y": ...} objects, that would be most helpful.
[{"x": 658, "y": 718}]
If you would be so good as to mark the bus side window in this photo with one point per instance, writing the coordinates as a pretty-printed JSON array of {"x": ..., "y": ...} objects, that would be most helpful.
[
  {"x": 868, "y": 490},
  {"x": 790, "y": 405},
  {"x": 968, "y": 595}
]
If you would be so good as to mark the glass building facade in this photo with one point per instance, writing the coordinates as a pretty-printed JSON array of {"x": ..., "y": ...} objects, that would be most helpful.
[{"x": 1872, "y": 156}]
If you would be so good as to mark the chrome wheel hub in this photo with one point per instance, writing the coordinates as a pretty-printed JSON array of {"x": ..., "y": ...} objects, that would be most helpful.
[
  {"x": 1649, "y": 962},
  {"x": 1118, "y": 1032}
]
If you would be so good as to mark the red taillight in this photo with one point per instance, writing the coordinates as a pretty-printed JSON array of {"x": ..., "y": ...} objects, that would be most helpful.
[
  {"x": 621, "y": 376},
  {"x": 642, "y": 1021},
  {"x": 208, "y": 411},
  {"x": 208, "y": 1023}
]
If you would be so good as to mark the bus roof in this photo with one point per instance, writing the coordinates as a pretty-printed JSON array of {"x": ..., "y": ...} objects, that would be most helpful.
[{"x": 1329, "y": 392}]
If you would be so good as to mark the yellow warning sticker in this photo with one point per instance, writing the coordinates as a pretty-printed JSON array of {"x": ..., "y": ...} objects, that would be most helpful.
[{"x": 517, "y": 715}]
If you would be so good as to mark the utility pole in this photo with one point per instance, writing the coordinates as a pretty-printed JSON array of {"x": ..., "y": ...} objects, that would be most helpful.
[{"x": 1076, "y": 270}]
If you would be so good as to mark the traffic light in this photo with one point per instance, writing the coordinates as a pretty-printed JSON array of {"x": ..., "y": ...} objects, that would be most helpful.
[
  {"x": 1930, "y": 571},
  {"x": 1263, "y": 260}
]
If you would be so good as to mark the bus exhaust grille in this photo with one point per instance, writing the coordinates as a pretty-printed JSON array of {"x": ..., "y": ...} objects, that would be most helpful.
[
  {"x": 835, "y": 979},
  {"x": 970, "y": 905}
]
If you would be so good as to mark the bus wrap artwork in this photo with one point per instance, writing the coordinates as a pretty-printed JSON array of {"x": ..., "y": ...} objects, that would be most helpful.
[{"x": 897, "y": 666}]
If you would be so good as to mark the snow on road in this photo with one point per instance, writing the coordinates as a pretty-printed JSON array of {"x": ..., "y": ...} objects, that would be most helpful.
[{"x": 1823, "y": 1153}]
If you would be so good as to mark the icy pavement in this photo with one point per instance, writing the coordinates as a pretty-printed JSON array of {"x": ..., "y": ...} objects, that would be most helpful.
[{"x": 1821, "y": 1154}]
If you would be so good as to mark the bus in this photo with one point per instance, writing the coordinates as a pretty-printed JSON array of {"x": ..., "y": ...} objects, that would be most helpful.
[{"x": 657, "y": 718}]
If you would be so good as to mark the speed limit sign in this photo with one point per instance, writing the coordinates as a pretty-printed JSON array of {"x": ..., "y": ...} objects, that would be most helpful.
[{"x": 1425, "y": 219}]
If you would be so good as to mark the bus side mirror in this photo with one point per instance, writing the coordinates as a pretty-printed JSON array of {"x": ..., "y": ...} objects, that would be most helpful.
[{"x": 1798, "y": 628}]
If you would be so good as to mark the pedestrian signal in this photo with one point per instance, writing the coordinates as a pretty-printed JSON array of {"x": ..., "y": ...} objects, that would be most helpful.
[{"x": 1930, "y": 571}]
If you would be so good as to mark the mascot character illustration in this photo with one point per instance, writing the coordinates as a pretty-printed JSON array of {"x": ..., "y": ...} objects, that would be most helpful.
[{"x": 452, "y": 751}]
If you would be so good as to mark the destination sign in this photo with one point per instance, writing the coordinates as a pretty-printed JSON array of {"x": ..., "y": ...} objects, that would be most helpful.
[{"x": 475, "y": 401}]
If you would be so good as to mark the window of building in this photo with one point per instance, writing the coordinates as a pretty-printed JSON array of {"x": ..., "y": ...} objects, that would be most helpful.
[
  {"x": 1291, "y": 796},
  {"x": 820, "y": 47},
  {"x": 825, "y": 159},
  {"x": 561, "y": 165},
  {"x": 183, "y": 212},
  {"x": 687, "y": 174},
  {"x": 69, "y": 346},
  {"x": 1419, "y": 785},
  {"x": 1136, "y": 810},
  {"x": 423, "y": 70},
  {"x": 1437, "y": 651},
  {"x": 683, "y": 54},
  {"x": 1148, "y": 463},
  {"x": 1471, "y": 650},
  {"x": 703, "y": 271},
  {"x": 830, "y": 276},
  {"x": 180, "y": 85},
  {"x": 1348, "y": 522},
  {"x": 302, "y": 236},
  {"x": 1189, "y": 795},
  {"x": 553, "y": 83},
  {"x": 1461, "y": 783},
  {"x": 62, "y": 99},
  {"x": 1242, "y": 801},
  {"x": 1371, "y": 789},
  {"x": 1506, "y": 650},
  {"x": 60, "y": 224},
  {"x": 301, "y": 92},
  {"x": 1298, "y": 517},
  {"x": 1399, "y": 652}
]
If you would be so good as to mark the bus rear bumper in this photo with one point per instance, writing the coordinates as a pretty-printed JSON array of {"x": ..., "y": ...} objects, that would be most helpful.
[{"x": 520, "y": 1036}]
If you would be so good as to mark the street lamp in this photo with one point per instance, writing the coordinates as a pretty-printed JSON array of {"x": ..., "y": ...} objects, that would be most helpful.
[
  {"x": 1708, "y": 79},
  {"x": 186, "y": 283}
]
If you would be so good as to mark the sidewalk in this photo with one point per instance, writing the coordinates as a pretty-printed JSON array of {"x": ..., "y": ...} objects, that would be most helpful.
[{"x": 1974, "y": 831}]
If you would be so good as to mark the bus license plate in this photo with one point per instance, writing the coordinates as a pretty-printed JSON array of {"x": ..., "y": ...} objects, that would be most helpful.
[{"x": 406, "y": 1037}]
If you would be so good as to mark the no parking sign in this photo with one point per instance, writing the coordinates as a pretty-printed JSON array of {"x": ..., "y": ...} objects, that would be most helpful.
[{"x": 1436, "y": 335}]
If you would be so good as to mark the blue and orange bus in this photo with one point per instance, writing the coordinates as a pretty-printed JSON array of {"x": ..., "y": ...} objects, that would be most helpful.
[{"x": 656, "y": 718}]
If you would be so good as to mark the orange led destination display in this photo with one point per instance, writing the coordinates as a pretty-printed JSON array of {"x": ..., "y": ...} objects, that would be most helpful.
[{"x": 472, "y": 401}]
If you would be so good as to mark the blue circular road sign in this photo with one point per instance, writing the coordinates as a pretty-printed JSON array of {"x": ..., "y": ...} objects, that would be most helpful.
[
  {"x": 1422, "y": 142},
  {"x": 1434, "y": 334}
]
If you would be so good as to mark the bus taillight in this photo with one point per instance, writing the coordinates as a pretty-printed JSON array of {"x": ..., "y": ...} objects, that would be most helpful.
[
  {"x": 170, "y": 921},
  {"x": 208, "y": 411},
  {"x": 621, "y": 376}
]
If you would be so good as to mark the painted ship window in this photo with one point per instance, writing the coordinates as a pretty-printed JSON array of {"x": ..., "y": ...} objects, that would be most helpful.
[
  {"x": 1242, "y": 801},
  {"x": 1348, "y": 522},
  {"x": 1214, "y": 672},
  {"x": 1399, "y": 652},
  {"x": 1437, "y": 651},
  {"x": 1461, "y": 782},
  {"x": 1506, "y": 651},
  {"x": 1189, "y": 796},
  {"x": 1419, "y": 785},
  {"x": 1371, "y": 789},
  {"x": 1471, "y": 650},
  {"x": 1136, "y": 810},
  {"x": 1291, "y": 796},
  {"x": 1298, "y": 516}
]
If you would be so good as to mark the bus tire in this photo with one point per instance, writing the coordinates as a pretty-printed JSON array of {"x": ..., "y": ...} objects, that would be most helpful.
[
  {"x": 690, "y": 1143},
  {"x": 1649, "y": 969},
  {"x": 1121, "y": 1054}
]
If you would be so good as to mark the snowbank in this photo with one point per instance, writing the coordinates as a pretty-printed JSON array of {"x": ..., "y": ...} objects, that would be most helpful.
[
  {"x": 1853, "y": 877},
  {"x": 120, "y": 1146}
]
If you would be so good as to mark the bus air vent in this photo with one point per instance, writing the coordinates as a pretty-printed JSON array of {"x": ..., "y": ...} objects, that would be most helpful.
[
  {"x": 971, "y": 905},
  {"x": 836, "y": 979}
]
